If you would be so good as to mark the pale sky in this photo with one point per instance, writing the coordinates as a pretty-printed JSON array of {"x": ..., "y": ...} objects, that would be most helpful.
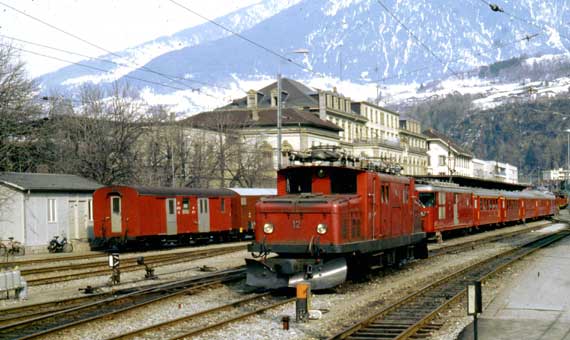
[{"x": 111, "y": 24}]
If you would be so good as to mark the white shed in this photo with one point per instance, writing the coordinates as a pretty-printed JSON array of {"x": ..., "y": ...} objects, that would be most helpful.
[{"x": 36, "y": 207}]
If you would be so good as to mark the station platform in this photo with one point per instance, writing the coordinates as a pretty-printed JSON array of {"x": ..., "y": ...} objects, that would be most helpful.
[{"x": 534, "y": 304}]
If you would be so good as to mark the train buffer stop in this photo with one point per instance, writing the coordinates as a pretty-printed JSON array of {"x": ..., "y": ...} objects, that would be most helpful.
[{"x": 535, "y": 304}]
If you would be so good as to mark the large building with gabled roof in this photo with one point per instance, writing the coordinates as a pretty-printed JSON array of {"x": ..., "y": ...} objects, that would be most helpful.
[{"x": 315, "y": 117}]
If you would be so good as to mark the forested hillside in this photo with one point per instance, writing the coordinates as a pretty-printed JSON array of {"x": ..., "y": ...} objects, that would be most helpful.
[{"x": 530, "y": 134}]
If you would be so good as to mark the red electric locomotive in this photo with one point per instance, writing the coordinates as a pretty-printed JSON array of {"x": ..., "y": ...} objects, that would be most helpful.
[
  {"x": 171, "y": 215},
  {"x": 328, "y": 217}
]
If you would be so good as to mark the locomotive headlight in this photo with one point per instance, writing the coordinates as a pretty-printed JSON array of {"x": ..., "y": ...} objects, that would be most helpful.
[
  {"x": 268, "y": 228},
  {"x": 321, "y": 228}
]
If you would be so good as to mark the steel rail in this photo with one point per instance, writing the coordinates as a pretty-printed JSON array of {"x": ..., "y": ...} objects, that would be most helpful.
[
  {"x": 391, "y": 322},
  {"x": 231, "y": 320},
  {"x": 172, "y": 322},
  {"x": 157, "y": 262},
  {"x": 486, "y": 239},
  {"x": 91, "y": 311}
]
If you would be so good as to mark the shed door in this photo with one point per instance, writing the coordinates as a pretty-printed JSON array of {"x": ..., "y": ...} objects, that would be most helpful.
[
  {"x": 72, "y": 221},
  {"x": 77, "y": 220},
  {"x": 116, "y": 212},
  {"x": 203, "y": 215},
  {"x": 171, "y": 216}
]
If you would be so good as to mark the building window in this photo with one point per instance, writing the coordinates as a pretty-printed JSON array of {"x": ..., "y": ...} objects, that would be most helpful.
[
  {"x": 90, "y": 210},
  {"x": 52, "y": 210},
  {"x": 441, "y": 160}
]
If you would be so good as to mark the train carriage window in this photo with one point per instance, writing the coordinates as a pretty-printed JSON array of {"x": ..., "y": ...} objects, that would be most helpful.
[
  {"x": 222, "y": 204},
  {"x": 427, "y": 199},
  {"x": 170, "y": 207},
  {"x": 185, "y": 205},
  {"x": 405, "y": 194},
  {"x": 441, "y": 209},
  {"x": 116, "y": 205},
  {"x": 387, "y": 193}
]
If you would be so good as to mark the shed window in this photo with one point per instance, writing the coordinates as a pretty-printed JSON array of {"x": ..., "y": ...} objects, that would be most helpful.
[
  {"x": 52, "y": 210},
  {"x": 90, "y": 210}
]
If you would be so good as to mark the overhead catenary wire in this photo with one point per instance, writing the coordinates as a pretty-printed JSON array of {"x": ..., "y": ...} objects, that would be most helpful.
[
  {"x": 413, "y": 35},
  {"x": 164, "y": 75},
  {"x": 115, "y": 63},
  {"x": 252, "y": 42},
  {"x": 496, "y": 8},
  {"x": 527, "y": 37},
  {"x": 90, "y": 67}
]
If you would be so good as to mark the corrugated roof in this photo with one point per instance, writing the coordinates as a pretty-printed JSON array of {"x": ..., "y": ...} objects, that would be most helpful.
[
  {"x": 255, "y": 191},
  {"x": 48, "y": 182}
]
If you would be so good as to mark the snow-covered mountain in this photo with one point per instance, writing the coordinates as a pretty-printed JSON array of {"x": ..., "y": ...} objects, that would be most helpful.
[{"x": 352, "y": 43}]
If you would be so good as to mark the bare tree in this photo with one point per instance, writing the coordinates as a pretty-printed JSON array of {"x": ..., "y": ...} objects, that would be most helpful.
[
  {"x": 20, "y": 116},
  {"x": 251, "y": 164},
  {"x": 100, "y": 141}
]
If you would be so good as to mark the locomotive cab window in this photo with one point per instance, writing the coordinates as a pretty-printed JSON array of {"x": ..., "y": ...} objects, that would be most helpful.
[
  {"x": 343, "y": 182},
  {"x": 299, "y": 181}
]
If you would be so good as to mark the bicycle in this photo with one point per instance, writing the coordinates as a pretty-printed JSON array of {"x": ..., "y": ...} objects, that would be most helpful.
[{"x": 12, "y": 248}]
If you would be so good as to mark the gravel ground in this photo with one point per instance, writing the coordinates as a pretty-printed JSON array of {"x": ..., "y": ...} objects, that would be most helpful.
[{"x": 341, "y": 307}]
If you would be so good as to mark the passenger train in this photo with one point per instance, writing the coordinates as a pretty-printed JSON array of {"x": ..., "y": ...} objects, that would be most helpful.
[{"x": 334, "y": 214}]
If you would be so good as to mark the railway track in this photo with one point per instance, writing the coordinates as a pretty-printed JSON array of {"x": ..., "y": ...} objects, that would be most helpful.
[
  {"x": 101, "y": 267},
  {"x": 201, "y": 322},
  {"x": 458, "y": 247},
  {"x": 86, "y": 312},
  {"x": 412, "y": 315}
]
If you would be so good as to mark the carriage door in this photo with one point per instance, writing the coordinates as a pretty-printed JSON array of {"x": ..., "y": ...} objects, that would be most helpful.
[
  {"x": 116, "y": 226},
  {"x": 203, "y": 215},
  {"x": 171, "y": 216},
  {"x": 455, "y": 210}
]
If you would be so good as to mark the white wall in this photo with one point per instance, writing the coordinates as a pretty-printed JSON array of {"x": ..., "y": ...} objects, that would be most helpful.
[
  {"x": 39, "y": 231},
  {"x": 11, "y": 214}
]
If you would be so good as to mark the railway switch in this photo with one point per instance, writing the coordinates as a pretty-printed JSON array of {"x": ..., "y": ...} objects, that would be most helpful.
[{"x": 149, "y": 271}]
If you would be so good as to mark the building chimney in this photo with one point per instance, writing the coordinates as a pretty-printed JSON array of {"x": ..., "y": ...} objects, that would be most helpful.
[
  {"x": 251, "y": 99},
  {"x": 274, "y": 97},
  {"x": 322, "y": 105}
]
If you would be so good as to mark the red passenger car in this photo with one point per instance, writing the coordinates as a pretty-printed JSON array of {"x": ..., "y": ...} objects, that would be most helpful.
[
  {"x": 448, "y": 207},
  {"x": 177, "y": 215},
  {"x": 328, "y": 218}
]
